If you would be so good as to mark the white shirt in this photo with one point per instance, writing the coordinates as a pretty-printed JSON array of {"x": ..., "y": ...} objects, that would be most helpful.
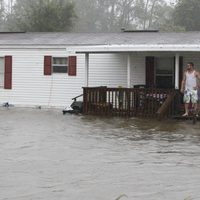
[{"x": 191, "y": 81}]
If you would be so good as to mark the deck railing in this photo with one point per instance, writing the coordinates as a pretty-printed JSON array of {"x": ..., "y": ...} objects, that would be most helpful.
[{"x": 127, "y": 101}]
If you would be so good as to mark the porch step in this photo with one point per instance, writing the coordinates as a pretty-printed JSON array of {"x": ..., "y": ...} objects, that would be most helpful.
[
  {"x": 189, "y": 117},
  {"x": 193, "y": 118}
]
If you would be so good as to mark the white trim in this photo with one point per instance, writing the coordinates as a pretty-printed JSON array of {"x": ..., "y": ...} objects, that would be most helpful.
[
  {"x": 128, "y": 70},
  {"x": 136, "y": 48},
  {"x": 108, "y": 48},
  {"x": 86, "y": 69},
  {"x": 177, "y": 71}
]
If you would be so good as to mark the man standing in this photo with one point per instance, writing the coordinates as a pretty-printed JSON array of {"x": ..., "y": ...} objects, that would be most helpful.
[{"x": 189, "y": 87}]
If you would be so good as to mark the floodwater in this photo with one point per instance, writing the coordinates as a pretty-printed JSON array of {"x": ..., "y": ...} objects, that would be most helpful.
[{"x": 45, "y": 155}]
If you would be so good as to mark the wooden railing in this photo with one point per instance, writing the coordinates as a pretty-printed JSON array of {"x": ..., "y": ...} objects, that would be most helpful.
[
  {"x": 127, "y": 101},
  {"x": 165, "y": 107}
]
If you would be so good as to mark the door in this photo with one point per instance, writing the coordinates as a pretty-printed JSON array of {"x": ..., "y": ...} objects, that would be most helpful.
[{"x": 160, "y": 71}]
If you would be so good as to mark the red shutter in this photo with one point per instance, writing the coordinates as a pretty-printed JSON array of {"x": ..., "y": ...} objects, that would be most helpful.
[
  {"x": 47, "y": 65},
  {"x": 150, "y": 61},
  {"x": 8, "y": 73},
  {"x": 72, "y": 66}
]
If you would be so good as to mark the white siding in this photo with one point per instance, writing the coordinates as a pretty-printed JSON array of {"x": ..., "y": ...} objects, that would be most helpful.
[
  {"x": 30, "y": 87},
  {"x": 137, "y": 69},
  {"x": 111, "y": 69},
  {"x": 107, "y": 70}
]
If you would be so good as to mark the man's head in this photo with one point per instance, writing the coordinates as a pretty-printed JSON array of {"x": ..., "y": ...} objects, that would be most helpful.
[{"x": 190, "y": 66}]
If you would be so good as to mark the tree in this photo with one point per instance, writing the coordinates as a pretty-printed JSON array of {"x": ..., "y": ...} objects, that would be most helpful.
[
  {"x": 94, "y": 15},
  {"x": 186, "y": 14},
  {"x": 41, "y": 15},
  {"x": 112, "y": 15},
  {"x": 2, "y": 15},
  {"x": 150, "y": 14}
]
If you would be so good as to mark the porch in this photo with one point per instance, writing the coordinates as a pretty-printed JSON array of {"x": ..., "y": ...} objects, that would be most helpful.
[{"x": 131, "y": 102}]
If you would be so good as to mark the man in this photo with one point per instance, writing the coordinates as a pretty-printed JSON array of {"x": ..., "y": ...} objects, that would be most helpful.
[{"x": 189, "y": 87}]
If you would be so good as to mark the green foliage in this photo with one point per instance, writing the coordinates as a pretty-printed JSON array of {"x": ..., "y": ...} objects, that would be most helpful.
[
  {"x": 2, "y": 15},
  {"x": 99, "y": 15},
  {"x": 112, "y": 15},
  {"x": 186, "y": 14},
  {"x": 41, "y": 15}
]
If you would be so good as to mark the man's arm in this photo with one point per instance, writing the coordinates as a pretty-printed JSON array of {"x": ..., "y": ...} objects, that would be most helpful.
[{"x": 198, "y": 75}]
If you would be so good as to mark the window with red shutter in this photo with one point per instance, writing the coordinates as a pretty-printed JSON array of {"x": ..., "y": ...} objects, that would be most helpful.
[
  {"x": 47, "y": 65},
  {"x": 8, "y": 73},
  {"x": 60, "y": 65},
  {"x": 72, "y": 66}
]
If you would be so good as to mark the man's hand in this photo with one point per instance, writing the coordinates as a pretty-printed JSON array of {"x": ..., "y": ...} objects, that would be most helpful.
[{"x": 182, "y": 90}]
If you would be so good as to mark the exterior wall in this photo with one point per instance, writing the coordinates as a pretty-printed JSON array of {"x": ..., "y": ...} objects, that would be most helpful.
[
  {"x": 108, "y": 70},
  {"x": 138, "y": 63},
  {"x": 138, "y": 73},
  {"x": 31, "y": 88},
  {"x": 111, "y": 69}
]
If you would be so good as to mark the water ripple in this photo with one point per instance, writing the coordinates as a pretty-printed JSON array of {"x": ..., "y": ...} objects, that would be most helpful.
[{"x": 47, "y": 155}]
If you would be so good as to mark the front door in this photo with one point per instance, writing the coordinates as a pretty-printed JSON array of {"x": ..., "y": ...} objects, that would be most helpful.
[
  {"x": 164, "y": 72},
  {"x": 160, "y": 72}
]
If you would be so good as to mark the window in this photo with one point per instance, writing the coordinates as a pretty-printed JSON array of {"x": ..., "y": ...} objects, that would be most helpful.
[
  {"x": 1, "y": 72},
  {"x": 60, "y": 65},
  {"x": 65, "y": 65},
  {"x": 164, "y": 72}
]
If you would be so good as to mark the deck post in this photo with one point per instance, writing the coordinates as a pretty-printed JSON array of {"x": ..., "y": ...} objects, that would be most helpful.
[
  {"x": 177, "y": 71},
  {"x": 128, "y": 70},
  {"x": 86, "y": 69}
]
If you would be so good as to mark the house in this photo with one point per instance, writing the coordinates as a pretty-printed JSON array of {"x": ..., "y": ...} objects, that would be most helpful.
[{"x": 49, "y": 69}]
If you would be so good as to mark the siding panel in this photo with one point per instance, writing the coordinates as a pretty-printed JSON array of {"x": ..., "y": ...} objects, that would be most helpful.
[
  {"x": 108, "y": 70},
  {"x": 32, "y": 88}
]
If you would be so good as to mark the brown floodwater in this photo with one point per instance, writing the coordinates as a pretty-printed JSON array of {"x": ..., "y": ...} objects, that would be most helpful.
[{"x": 45, "y": 155}]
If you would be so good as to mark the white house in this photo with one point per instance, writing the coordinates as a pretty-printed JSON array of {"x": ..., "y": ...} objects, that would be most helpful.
[{"x": 49, "y": 69}]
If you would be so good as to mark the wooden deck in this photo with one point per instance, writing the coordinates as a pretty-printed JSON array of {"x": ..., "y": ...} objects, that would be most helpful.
[{"x": 130, "y": 102}]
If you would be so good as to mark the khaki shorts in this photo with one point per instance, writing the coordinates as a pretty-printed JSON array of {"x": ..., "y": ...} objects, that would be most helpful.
[{"x": 190, "y": 96}]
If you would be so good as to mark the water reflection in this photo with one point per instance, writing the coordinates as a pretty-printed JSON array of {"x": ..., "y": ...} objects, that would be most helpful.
[{"x": 47, "y": 155}]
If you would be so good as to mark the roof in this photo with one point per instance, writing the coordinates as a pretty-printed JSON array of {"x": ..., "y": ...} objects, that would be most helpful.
[{"x": 126, "y": 39}]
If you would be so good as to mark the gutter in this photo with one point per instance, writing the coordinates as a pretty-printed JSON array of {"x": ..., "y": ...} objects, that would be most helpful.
[{"x": 107, "y": 48}]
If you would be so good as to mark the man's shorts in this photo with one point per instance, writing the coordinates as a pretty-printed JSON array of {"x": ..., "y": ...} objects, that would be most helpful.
[{"x": 190, "y": 96}]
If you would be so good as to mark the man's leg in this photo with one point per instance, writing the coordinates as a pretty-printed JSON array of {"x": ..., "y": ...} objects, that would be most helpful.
[
  {"x": 186, "y": 100},
  {"x": 186, "y": 110}
]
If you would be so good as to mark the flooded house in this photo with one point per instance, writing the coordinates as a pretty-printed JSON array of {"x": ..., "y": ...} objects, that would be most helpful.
[{"x": 125, "y": 73}]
